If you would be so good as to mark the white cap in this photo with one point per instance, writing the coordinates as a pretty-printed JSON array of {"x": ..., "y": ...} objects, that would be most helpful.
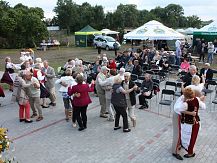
[{"x": 122, "y": 69}]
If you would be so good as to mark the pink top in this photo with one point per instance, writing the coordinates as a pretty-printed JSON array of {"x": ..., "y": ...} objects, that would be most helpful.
[
  {"x": 185, "y": 66},
  {"x": 84, "y": 98}
]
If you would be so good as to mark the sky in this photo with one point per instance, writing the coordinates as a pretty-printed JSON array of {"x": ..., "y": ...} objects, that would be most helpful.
[{"x": 205, "y": 9}]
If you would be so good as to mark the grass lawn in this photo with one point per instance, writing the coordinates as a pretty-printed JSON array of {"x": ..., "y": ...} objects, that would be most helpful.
[{"x": 56, "y": 57}]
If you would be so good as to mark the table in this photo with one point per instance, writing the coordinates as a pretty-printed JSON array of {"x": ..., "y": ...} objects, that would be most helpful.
[{"x": 44, "y": 46}]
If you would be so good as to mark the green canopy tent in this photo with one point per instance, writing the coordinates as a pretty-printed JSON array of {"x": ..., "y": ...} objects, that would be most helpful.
[
  {"x": 208, "y": 33},
  {"x": 84, "y": 37}
]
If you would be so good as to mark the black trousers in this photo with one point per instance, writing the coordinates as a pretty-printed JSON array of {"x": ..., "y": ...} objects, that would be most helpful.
[
  {"x": 73, "y": 114},
  {"x": 202, "y": 55},
  {"x": 81, "y": 115},
  {"x": 142, "y": 99},
  {"x": 116, "y": 53},
  {"x": 121, "y": 111},
  {"x": 99, "y": 50}
]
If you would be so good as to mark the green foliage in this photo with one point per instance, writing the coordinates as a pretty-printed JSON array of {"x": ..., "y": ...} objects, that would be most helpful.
[
  {"x": 73, "y": 17},
  {"x": 194, "y": 21},
  {"x": 21, "y": 26}
]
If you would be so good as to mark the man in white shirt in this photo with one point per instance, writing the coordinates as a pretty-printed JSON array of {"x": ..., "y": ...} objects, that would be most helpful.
[
  {"x": 34, "y": 95},
  {"x": 101, "y": 91}
]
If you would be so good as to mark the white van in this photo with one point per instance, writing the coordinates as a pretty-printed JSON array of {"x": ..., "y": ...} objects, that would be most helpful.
[{"x": 106, "y": 42}]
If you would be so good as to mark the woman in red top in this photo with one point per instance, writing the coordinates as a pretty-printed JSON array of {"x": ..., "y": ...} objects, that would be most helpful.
[
  {"x": 81, "y": 100},
  {"x": 112, "y": 64}
]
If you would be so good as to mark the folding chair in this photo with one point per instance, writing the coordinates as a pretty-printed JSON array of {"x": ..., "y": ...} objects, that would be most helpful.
[
  {"x": 178, "y": 91},
  {"x": 166, "y": 101},
  {"x": 207, "y": 90},
  {"x": 156, "y": 90},
  {"x": 149, "y": 72},
  {"x": 174, "y": 69},
  {"x": 145, "y": 66},
  {"x": 139, "y": 84},
  {"x": 156, "y": 71},
  {"x": 156, "y": 81},
  {"x": 214, "y": 74},
  {"x": 170, "y": 84},
  {"x": 214, "y": 101},
  {"x": 162, "y": 75},
  {"x": 141, "y": 78},
  {"x": 154, "y": 66},
  {"x": 156, "y": 87},
  {"x": 134, "y": 77}
]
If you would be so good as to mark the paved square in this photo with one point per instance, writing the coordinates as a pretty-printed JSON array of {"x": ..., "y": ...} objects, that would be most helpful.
[{"x": 53, "y": 140}]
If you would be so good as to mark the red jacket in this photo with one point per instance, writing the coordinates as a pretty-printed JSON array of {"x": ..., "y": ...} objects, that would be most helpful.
[{"x": 84, "y": 98}]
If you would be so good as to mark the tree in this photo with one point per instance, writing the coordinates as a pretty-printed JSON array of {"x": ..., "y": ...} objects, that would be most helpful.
[
  {"x": 194, "y": 21},
  {"x": 145, "y": 16},
  {"x": 173, "y": 13},
  {"x": 159, "y": 14},
  {"x": 126, "y": 16},
  {"x": 21, "y": 26},
  {"x": 99, "y": 17},
  {"x": 109, "y": 21},
  {"x": 67, "y": 14}
]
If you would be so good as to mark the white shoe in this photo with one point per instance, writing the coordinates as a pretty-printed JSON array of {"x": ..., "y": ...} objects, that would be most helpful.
[{"x": 74, "y": 125}]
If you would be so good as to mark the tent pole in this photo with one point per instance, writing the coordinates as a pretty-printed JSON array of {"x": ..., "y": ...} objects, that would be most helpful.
[
  {"x": 132, "y": 44},
  {"x": 86, "y": 40}
]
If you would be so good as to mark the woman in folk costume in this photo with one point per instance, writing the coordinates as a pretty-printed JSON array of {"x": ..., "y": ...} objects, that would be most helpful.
[
  {"x": 190, "y": 124},
  {"x": 9, "y": 75},
  {"x": 183, "y": 106},
  {"x": 37, "y": 73}
]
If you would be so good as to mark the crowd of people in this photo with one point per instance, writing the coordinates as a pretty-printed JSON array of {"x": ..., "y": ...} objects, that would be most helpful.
[
  {"x": 203, "y": 47},
  {"x": 112, "y": 82}
]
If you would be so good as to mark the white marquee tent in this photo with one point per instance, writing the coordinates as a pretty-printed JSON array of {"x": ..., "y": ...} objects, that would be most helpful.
[
  {"x": 212, "y": 27},
  {"x": 109, "y": 32},
  {"x": 153, "y": 30}
]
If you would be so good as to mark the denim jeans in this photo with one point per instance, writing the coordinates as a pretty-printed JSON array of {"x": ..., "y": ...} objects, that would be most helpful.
[
  {"x": 178, "y": 61},
  {"x": 210, "y": 57}
]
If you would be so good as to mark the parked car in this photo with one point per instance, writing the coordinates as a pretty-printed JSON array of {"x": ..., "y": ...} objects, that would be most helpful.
[{"x": 106, "y": 42}]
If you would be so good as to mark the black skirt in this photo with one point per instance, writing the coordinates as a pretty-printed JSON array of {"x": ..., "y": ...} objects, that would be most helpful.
[{"x": 44, "y": 92}]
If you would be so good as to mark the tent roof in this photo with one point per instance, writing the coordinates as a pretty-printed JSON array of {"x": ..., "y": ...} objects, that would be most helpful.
[
  {"x": 187, "y": 31},
  {"x": 88, "y": 30},
  {"x": 210, "y": 29},
  {"x": 108, "y": 31},
  {"x": 153, "y": 30}
]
